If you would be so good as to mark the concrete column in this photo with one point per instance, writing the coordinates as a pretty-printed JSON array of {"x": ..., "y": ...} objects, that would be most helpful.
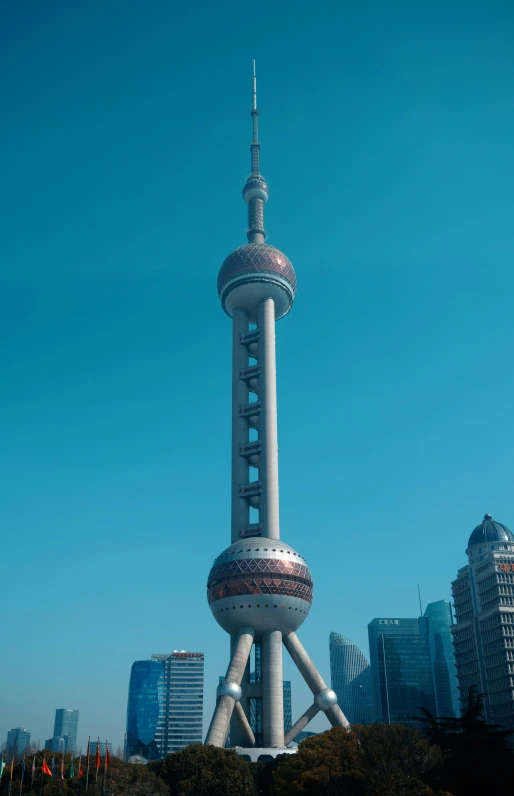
[
  {"x": 229, "y": 691},
  {"x": 304, "y": 664},
  {"x": 314, "y": 680},
  {"x": 336, "y": 717},
  {"x": 300, "y": 725},
  {"x": 272, "y": 690},
  {"x": 268, "y": 472},
  {"x": 240, "y": 471},
  {"x": 238, "y": 732},
  {"x": 245, "y": 732}
]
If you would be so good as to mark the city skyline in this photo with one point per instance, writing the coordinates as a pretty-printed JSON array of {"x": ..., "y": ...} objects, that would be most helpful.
[{"x": 388, "y": 154}]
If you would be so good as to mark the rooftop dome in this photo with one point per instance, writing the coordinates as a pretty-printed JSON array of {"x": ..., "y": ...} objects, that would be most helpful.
[{"x": 490, "y": 530}]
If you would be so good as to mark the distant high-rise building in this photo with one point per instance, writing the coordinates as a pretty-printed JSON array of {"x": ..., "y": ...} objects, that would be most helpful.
[
  {"x": 165, "y": 704},
  {"x": 483, "y": 596},
  {"x": 439, "y": 615},
  {"x": 401, "y": 670},
  {"x": 94, "y": 744},
  {"x": 288, "y": 712},
  {"x": 145, "y": 700},
  {"x": 351, "y": 679},
  {"x": 66, "y": 726},
  {"x": 17, "y": 741},
  {"x": 59, "y": 743}
]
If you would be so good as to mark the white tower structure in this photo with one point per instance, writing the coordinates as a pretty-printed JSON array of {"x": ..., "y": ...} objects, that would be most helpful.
[{"x": 259, "y": 588}]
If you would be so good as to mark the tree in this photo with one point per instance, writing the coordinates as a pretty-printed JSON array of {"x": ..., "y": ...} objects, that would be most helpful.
[
  {"x": 372, "y": 760},
  {"x": 204, "y": 771},
  {"x": 476, "y": 755}
]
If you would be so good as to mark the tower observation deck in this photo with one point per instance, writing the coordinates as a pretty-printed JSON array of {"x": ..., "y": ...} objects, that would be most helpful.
[{"x": 259, "y": 589}]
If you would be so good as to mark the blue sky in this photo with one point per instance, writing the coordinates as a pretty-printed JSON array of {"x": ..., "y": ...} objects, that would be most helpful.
[{"x": 387, "y": 134}]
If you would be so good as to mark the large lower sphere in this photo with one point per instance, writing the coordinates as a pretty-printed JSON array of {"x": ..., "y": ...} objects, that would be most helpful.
[{"x": 262, "y": 583}]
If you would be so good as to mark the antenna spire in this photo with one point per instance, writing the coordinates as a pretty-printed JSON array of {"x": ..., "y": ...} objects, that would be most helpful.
[
  {"x": 255, "y": 192},
  {"x": 254, "y": 88}
]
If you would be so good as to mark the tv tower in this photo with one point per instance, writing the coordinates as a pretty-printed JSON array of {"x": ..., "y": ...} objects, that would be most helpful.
[{"x": 259, "y": 589}]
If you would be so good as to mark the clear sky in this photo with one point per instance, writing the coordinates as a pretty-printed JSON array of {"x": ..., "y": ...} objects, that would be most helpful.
[{"x": 387, "y": 136}]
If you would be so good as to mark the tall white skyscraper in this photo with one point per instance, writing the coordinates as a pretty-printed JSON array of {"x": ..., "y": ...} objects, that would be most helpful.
[{"x": 483, "y": 596}]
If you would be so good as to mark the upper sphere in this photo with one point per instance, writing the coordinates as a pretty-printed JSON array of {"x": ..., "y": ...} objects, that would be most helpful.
[
  {"x": 490, "y": 530},
  {"x": 254, "y": 272}
]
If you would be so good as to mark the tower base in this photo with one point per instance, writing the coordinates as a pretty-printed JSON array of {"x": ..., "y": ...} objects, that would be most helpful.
[{"x": 255, "y": 754}]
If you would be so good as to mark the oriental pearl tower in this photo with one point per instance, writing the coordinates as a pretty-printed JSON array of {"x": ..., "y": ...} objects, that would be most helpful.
[{"x": 259, "y": 589}]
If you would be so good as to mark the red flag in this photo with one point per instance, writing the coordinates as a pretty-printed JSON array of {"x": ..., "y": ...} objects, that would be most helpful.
[
  {"x": 97, "y": 759},
  {"x": 45, "y": 768},
  {"x": 80, "y": 766},
  {"x": 107, "y": 756},
  {"x": 12, "y": 766}
]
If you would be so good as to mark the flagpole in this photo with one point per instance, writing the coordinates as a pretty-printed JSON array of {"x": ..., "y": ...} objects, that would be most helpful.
[
  {"x": 22, "y": 774},
  {"x": 10, "y": 780},
  {"x": 97, "y": 762},
  {"x": 33, "y": 772},
  {"x": 88, "y": 755}
]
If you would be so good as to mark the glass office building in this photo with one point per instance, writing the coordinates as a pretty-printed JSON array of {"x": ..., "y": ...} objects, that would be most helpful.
[
  {"x": 165, "y": 705},
  {"x": 350, "y": 675},
  {"x": 66, "y": 726},
  {"x": 401, "y": 670},
  {"x": 145, "y": 697},
  {"x": 18, "y": 740},
  {"x": 440, "y": 620}
]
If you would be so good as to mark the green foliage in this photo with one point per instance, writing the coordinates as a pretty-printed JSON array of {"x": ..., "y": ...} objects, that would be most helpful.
[
  {"x": 375, "y": 760},
  {"x": 121, "y": 778},
  {"x": 205, "y": 771},
  {"x": 476, "y": 757}
]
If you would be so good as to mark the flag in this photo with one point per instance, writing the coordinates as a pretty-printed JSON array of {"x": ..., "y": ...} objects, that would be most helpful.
[
  {"x": 97, "y": 758},
  {"x": 107, "y": 756},
  {"x": 33, "y": 770},
  {"x": 80, "y": 766},
  {"x": 45, "y": 768},
  {"x": 22, "y": 771},
  {"x": 62, "y": 767},
  {"x": 72, "y": 769},
  {"x": 2, "y": 766},
  {"x": 12, "y": 765},
  {"x": 53, "y": 765}
]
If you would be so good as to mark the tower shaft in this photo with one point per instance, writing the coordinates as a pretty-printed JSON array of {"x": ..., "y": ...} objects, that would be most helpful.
[{"x": 254, "y": 413}]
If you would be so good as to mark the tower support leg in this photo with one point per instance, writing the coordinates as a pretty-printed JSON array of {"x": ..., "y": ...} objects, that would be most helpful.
[
  {"x": 324, "y": 697},
  {"x": 245, "y": 732},
  {"x": 229, "y": 691},
  {"x": 272, "y": 690},
  {"x": 301, "y": 724},
  {"x": 238, "y": 730}
]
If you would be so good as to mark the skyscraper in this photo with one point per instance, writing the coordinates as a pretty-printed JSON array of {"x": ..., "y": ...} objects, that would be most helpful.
[
  {"x": 165, "y": 704},
  {"x": 259, "y": 589},
  {"x": 145, "y": 700},
  {"x": 439, "y": 615},
  {"x": 401, "y": 667},
  {"x": 17, "y": 741},
  {"x": 350, "y": 675},
  {"x": 483, "y": 595},
  {"x": 65, "y": 731},
  {"x": 66, "y": 726}
]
